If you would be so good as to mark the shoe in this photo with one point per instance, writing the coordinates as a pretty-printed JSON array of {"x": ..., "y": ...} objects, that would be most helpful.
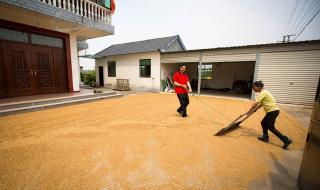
[
  {"x": 286, "y": 143},
  {"x": 264, "y": 138},
  {"x": 184, "y": 115},
  {"x": 179, "y": 111}
]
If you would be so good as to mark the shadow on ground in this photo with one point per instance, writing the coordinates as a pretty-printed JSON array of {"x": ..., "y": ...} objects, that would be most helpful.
[{"x": 284, "y": 173}]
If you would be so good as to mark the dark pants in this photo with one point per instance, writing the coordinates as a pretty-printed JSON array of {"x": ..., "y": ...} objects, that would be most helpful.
[
  {"x": 184, "y": 102},
  {"x": 268, "y": 123}
]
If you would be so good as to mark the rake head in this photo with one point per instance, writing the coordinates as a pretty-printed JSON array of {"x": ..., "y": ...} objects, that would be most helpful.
[{"x": 229, "y": 128}]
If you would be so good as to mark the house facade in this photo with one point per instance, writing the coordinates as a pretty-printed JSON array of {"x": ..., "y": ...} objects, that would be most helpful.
[
  {"x": 40, "y": 40},
  {"x": 289, "y": 70},
  {"x": 137, "y": 61}
]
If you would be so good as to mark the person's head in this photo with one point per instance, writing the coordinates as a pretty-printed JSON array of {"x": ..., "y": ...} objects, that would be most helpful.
[
  {"x": 183, "y": 68},
  {"x": 257, "y": 86}
]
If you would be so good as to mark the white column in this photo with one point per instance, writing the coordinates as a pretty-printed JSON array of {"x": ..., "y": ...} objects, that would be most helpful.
[
  {"x": 75, "y": 63},
  {"x": 69, "y": 5},
  {"x": 103, "y": 15},
  {"x": 95, "y": 12},
  {"x": 91, "y": 9},
  {"x": 73, "y": 8},
  {"x": 199, "y": 75},
  {"x": 98, "y": 13},
  {"x": 77, "y": 6},
  {"x": 81, "y": 10},
  {"x": 85, "y": 8}
]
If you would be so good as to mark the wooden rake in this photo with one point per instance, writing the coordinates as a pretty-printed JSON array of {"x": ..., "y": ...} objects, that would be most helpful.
[{"x": 236, "y": 123}]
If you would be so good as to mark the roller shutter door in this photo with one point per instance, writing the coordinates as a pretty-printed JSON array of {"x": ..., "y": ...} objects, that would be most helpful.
[{"x": 292, "y": 77}]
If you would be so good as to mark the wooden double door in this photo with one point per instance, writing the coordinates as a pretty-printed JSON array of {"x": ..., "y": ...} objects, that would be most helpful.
[{"x": 33, "y": 69}]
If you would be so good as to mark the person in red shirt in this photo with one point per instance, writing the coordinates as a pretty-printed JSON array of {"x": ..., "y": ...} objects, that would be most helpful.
[{"x": 182, "y": 87}]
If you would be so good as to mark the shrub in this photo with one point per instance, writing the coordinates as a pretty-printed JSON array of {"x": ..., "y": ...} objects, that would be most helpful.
[{"x": 90, "y": 78}]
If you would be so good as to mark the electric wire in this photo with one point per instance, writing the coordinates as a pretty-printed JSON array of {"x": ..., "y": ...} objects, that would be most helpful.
[
  {"x": 303, "y": 20},
  {"x": 291, "y": 15},
  {"x": 296, "y": 18},
  {"x": 314, "y": 16}
]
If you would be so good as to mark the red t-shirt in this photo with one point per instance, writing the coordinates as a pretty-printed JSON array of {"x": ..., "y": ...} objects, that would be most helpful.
[{"x": 180, "y": 78}]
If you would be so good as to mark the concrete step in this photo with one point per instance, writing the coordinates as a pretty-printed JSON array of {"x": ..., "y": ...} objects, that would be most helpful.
[
  {"x": 14, "y": 108},
  {"x": 50, "y": 100}
]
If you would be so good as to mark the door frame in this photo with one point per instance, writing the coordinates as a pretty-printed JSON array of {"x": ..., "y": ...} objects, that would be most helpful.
[
  {"x": 32, "y": 29},
  {"x": 101, "y": 76}
]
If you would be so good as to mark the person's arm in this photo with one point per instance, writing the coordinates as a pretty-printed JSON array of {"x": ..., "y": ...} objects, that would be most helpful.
[
  {"x": 255, "y": 106},
  {"x": 181, "y": 85},
  {"x": 189, "y": 86}
]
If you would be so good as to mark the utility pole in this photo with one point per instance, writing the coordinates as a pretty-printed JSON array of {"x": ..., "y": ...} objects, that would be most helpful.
[
  {"x": 290, "y": 36},
  {"x": 286, "y": 38}
]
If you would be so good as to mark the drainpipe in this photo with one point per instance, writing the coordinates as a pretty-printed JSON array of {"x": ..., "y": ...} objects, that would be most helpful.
[{"x": 199, "y": 75}]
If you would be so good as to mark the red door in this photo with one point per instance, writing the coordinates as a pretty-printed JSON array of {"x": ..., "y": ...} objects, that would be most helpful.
[
  {"x": 18, "y": 69},
  {"x": 43, "y": 70}
]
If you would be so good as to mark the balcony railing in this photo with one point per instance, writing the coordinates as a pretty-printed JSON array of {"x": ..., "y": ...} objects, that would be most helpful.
[{"x": 85, "y": 8}]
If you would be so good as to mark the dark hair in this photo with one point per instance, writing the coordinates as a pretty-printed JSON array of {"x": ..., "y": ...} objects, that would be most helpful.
[{"x": 258, "y": 84}]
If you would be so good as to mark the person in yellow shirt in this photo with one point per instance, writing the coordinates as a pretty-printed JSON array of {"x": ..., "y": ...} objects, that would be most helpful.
[{"x": 267, "y": 101}]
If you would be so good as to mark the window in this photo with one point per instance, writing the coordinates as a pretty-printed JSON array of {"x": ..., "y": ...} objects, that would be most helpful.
[
  {"x": 111, "y": 69},
  {"x": 145, "y": 68},
  {"x": 206, "y": 72},
  {"x": 12, "y": 35},
  {"x": 105, "y": 3},
  {"x": 46, "y": 40}
]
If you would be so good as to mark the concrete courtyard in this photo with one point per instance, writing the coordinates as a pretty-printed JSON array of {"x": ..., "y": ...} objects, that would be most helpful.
[{"x": 140, "y": 142}]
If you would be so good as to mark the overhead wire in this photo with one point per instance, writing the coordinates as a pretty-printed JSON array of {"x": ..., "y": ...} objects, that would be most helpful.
[
  {"x": 303, "y": 19},
  {"x": 291, "y": 16},
  {"x": 296, "y": 18},
  {"x": 314, "y": 16}
]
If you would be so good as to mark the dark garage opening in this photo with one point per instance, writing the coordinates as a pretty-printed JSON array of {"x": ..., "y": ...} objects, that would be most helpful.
[{"x": 232, "y": 79}]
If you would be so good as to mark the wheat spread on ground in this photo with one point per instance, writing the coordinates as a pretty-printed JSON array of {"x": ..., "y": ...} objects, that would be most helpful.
[{"x": 139, "y": 142}]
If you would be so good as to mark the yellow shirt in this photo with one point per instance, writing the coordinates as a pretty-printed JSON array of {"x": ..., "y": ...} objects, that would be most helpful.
[{"x": 267, "y": 101}]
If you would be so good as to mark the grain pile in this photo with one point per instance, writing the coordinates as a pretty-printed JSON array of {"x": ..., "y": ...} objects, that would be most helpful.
[{"x": 138, "y": 142}]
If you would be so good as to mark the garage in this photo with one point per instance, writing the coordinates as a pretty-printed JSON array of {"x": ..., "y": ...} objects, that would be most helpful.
[
  {"x": 290, "y": 71},
  {"x": 231, "y": 79},
  {"x": 32, "y": 63}
]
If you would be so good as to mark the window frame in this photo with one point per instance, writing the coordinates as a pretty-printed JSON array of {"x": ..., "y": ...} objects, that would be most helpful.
[
  {"x": 115, "y": 68},
  {"x": 206, "y": 74},
  {"x": 141, "y": 61}
]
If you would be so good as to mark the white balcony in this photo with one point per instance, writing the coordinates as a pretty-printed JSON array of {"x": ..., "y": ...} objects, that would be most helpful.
[
  {"x": 82, "y": 18},
  {"x": 85, "y": 8}
]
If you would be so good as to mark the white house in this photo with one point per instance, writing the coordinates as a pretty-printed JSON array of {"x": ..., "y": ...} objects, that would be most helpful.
[{"x": 137, "y": 61}]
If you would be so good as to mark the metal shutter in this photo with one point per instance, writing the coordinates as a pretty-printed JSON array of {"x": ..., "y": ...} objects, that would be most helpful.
[{"x": 292, "y": 77}]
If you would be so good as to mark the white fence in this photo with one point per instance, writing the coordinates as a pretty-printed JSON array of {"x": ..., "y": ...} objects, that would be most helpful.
[{"x": 84, "y": 8}]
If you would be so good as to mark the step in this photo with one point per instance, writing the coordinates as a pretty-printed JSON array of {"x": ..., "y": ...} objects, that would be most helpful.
[
  {"x": 37, "y": 107},
  {"x": 50, "y": 100}
]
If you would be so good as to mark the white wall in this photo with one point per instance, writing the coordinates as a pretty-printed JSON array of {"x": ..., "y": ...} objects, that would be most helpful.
[
  {"x": 167, "y": 69},
  {"x": 127, "y": 67},
  {"x": 75, "y": 63},
  {"x": 225, "y": 73}
]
